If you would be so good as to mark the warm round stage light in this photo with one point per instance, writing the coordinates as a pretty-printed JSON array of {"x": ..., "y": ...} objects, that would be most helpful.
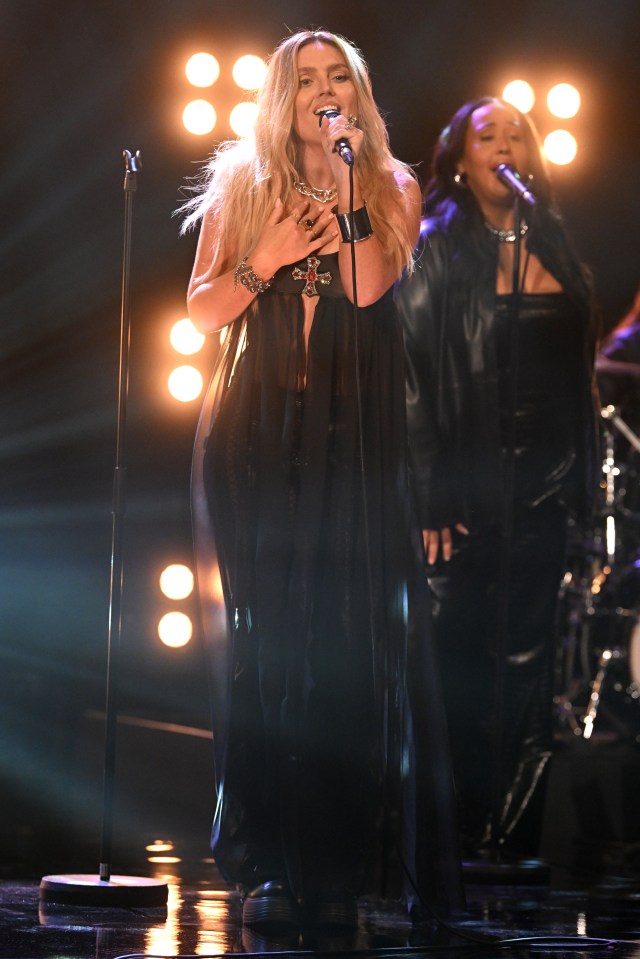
[
  {"x": 563, "y": 101},
  {"x": 242, "y": 119},
  {"x": 185, "y": 383},
  {"x": 249, "y": 72},
  {"x": 520, "y": 94},
  {"x": 176, "y": 581},
  {"x": 160, "y": 845},
  {"x": 199, "y": 117},
  {"x": 185, "y": 338},
  {"x": 560, "y": 147},
  {"x": 175, "y": 629},
  {"x": 202, "y": 69}
]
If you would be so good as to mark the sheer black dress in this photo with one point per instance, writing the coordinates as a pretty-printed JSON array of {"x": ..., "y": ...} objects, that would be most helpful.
[{"x": 330, "y": 744}]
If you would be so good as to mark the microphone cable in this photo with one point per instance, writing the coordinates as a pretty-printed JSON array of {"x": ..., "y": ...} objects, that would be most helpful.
[
  {"x": 349, "y": 160},
  {"x": 534, "y": 943},
  {"x": 361, "y": 449}
]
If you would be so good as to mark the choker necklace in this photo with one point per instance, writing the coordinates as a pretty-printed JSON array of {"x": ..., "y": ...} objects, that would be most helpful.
[
  {"x": 322, "y": 196},
  {"x": 505, "y": 236}
]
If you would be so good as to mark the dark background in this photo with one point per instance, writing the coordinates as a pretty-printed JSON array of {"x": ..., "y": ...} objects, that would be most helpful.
[{"x": 80, "y": 82}]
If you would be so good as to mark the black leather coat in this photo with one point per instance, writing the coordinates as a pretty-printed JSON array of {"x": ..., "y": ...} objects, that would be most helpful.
[{"x": 452, "y": 393}]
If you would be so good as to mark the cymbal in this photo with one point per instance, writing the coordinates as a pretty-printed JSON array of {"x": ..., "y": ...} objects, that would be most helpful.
[{"x": 608, "y": 367}]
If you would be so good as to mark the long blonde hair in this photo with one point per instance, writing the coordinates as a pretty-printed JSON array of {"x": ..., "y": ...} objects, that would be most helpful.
[{"x": 242, "y": 180}]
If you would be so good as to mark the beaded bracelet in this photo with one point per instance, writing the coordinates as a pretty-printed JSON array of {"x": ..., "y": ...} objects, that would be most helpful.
[
  {"x": 246, "y": 275},
  {"x": 362, "y": 228}
]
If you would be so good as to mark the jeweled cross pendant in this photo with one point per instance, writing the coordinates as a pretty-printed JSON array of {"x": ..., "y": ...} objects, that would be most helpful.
[{"x": 311, "y": 276}]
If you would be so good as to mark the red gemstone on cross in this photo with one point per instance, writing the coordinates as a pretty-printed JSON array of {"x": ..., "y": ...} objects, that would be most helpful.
[{"x": 311, "y": 276}]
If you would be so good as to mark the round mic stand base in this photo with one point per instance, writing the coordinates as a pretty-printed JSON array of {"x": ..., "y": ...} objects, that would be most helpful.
[{"x": 87, "y": 889}]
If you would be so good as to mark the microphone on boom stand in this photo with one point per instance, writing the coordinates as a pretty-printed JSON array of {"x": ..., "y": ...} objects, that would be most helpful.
[{"x": 511, "y": 178}]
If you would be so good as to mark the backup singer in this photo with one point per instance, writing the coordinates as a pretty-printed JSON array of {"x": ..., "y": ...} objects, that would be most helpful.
[
  {"x": 502, "y": 433},
  {"x": 326, "y": 719}
]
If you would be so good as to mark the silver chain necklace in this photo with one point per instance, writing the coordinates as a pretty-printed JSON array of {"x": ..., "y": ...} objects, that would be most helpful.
[
  {"x": 322, "y": 196},
  {"x": 505, "y": 236}
]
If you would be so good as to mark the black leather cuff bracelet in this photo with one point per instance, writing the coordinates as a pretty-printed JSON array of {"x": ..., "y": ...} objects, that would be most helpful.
[{"x": 362, "y": 228}]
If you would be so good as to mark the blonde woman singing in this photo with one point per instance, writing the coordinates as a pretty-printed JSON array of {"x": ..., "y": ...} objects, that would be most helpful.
[{"x": 327, "y": 727}]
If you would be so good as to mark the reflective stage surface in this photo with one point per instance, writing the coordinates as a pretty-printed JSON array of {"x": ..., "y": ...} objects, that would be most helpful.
[
  {"x": 587, "y": 903},
  {"x": 202, "y": 918}
]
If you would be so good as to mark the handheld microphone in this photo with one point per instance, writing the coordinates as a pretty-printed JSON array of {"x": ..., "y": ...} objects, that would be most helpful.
[
  {"x": 510, "y": 177},
  {"x": 342, "y": 145}
]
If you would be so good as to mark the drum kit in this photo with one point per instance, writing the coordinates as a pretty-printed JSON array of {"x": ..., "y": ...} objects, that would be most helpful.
[{"x": 598, "y": 676}]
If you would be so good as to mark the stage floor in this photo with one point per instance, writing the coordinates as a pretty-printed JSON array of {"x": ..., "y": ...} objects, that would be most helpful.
[
  {"x": 587, "y": 903},
  {"x": 202, "y": 918}
]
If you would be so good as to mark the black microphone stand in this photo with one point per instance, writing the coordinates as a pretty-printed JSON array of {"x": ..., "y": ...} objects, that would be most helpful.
[
  {"x": 496, "y": 869},
  {"x": 502, "y": 624},
  {"x": 105, "y": 889}
]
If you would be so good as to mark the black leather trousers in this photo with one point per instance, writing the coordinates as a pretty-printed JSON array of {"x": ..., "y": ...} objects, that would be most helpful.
[{"x": 494, "y": 624}]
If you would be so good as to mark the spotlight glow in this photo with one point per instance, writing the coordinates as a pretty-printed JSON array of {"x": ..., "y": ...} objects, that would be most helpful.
[
  {"x": 563, "y": 101},
  {"x": 249, "y": 72},
  {"x": 185, "y": 338},
  {"x": 217, "y": 592},
  {"x": 176, "y": 581},
  {"x": 242, "y": 119},
  {"x": 560, "y": 147},
  {"x": 185, "y": 383},
  {"x": 202, "y": 70},
  {"x": 199, "y": 117},
  {"x": 520, "y": 94},
  {"x": 175, "y": 629},
  {"x": 160, "y": 845}
]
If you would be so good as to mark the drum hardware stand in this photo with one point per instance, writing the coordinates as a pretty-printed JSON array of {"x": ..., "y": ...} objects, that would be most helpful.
[
  {"x": 610, "y": 413},
  {"x": 611, "y": 471},
  {"x": 610, "y": 653},
  {"x": 589, "y": 718},
  {"x": 572, "y": 600}
]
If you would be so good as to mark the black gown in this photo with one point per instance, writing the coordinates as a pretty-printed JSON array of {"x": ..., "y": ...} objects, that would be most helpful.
[{"x": 330, "y": 744}]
